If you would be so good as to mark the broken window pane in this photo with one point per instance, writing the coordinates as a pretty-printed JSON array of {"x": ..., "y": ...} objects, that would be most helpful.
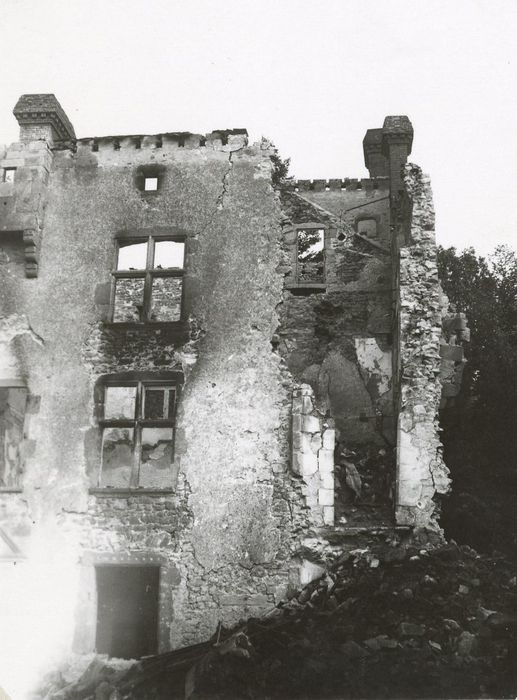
[
  {"x": 156, "y": 457},
  {"x": 132, "y": 256},
  {"x": 158, "y": 403},
  {"x": 169, "y": 254},
  {"x": 310, "y": 255},
  {"x": 155, "y": 407},
  {"x": 12, "y": 417},
  {"x": 166, "y": 299},
  {"x": 117, "y": 457},
  {"x": 129, "y": 299},
  {"x": 119, "y": 402}
]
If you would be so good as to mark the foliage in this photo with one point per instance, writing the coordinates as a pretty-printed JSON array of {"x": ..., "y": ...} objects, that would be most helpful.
[
  {"x": 280, "y": 170},
  {"x": 480, "y": 430}
]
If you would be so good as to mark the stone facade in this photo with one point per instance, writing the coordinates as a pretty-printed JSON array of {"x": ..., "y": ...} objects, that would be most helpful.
[{"x": 300, "y": 338}]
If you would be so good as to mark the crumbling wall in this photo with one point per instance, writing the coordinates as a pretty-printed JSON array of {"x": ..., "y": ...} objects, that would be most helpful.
[
  {"x": 421, "y": 471},
  {"x": 313, "y": 443},
  {"x": 338, "y": 339}
]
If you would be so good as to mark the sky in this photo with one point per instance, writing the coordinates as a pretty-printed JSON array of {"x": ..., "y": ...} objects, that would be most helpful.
[{"x": 310, "y": 75}]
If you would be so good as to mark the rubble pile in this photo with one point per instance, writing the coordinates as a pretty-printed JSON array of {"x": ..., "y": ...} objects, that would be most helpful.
[
  {"x": 412, "y": 624},
  {"x": 440, "y": 624}
]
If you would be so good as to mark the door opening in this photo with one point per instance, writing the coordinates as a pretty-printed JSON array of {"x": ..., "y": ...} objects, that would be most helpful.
[{"x": 127, "y": 610}]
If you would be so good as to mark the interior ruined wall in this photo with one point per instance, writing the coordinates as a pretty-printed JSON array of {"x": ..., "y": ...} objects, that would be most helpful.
[
  {"x": 339, "y": 340},
  {"x": 226, "y": 535},
  {"x": 421, "y": 471}
]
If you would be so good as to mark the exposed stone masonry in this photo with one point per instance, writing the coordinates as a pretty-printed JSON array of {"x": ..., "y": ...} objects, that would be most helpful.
[{"x": 421, "y": 472}]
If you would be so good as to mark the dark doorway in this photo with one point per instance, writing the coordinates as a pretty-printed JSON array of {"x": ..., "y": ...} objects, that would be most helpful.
[{"x": 127, "y": 610}]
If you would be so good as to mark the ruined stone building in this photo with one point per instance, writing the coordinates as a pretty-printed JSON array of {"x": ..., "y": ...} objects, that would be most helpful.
[{"x": 211, "y": 378}]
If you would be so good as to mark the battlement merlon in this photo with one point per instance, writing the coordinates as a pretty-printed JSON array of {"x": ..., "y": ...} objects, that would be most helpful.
[{"x": 41, "y": 118}]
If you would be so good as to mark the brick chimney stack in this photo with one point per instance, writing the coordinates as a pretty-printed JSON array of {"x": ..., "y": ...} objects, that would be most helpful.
[
  {"x": 374, "y": 158},
  {"x": 397, "y": 139},
  {"x": 386, "y": 150},
  {"x": 41, "y": 118}
]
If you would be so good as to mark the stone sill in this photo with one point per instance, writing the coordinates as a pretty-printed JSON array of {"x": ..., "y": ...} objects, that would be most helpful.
[
  {"x": 10, "y": 490},
  {"x": 344, "y": 531},
  {"x": 107, "y": 492},
  {"x": 140, "y": 325}
]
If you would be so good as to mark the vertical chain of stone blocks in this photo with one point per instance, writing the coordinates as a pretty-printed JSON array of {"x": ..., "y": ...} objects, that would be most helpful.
[{"x": 313, "y": 441}]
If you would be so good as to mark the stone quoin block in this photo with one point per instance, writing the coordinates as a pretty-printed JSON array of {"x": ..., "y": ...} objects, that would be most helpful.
[
  {"x": 326, "y": 460},
  {"x": 326, "y": 497},
  {"x": 328, "y": 515},
  {"x": 329, "y": 438},
  {"x": 310, "y": 424}
]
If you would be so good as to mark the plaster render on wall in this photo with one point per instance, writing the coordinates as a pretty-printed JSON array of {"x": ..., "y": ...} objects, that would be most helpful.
[{"x": 293, "y": 392}]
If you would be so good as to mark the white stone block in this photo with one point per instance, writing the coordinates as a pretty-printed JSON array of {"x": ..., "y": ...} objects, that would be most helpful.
[
  {"x": 306, "y": 390},
  {"x": 329, "y": 439},
  {"x": 328, "y": 515},
  {"x": 309, "y": 572},
  {"x": 315, "y": 443},
  {"x": 306, "y": 404},
  {"x": 326, "y": 460},
  {"x": 326, "y": 497},
  {"x": 327, "y": 480},
  {"x": 310, "y": 424},
  {"x": 308, "y": 463}
]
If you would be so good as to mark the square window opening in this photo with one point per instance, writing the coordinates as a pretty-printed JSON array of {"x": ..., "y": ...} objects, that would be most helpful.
[
  {"x": 137, "y": 446},
  {"x": 148, "y": 281},
  {"x": 150, "y": 184},
  {"x": 9, "y": 174},
  {"x": 310, "y": 256}
]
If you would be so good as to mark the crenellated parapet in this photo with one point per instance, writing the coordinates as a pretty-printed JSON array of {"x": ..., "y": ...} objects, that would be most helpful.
[
  {"x": 219, "y": 140},
  {"x": 335, "y": 185}
]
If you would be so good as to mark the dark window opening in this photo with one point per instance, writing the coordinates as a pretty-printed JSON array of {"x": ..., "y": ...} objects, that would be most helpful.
[
  {"x": 127, "y": 610},
  {"x": 13, "y": 402},
  {"x": 149, "y": 281},
  {"x": 310, "y": 256},
  {"x": 12, "y": 252},
  {"x": 9, "y": 174},
  {"x": 137, "y": 421},
  {"x": 150, "y": 178}
]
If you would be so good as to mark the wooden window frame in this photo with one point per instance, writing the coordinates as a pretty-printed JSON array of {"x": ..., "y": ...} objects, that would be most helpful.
[
  {"x": 148, "y": 274},
  {"x": 9, "y": 170},
  {"x": 17, "y": 384},
  {"x": 295, "y": 282},
  {"x": 142, "y": 381}
]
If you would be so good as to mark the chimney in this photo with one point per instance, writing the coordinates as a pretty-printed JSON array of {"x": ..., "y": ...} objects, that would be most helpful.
[
  {"x": 374, "y": 158},
  {"x": 397, "y": 138},
  {"x": 41, "y": 118}
]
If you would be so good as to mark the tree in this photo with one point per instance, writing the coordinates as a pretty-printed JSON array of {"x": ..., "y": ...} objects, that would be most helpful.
[{"x": 480, "y": 430}]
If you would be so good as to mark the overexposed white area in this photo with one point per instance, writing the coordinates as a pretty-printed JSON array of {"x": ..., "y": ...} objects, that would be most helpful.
[{"x": 311, "y": 75}]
